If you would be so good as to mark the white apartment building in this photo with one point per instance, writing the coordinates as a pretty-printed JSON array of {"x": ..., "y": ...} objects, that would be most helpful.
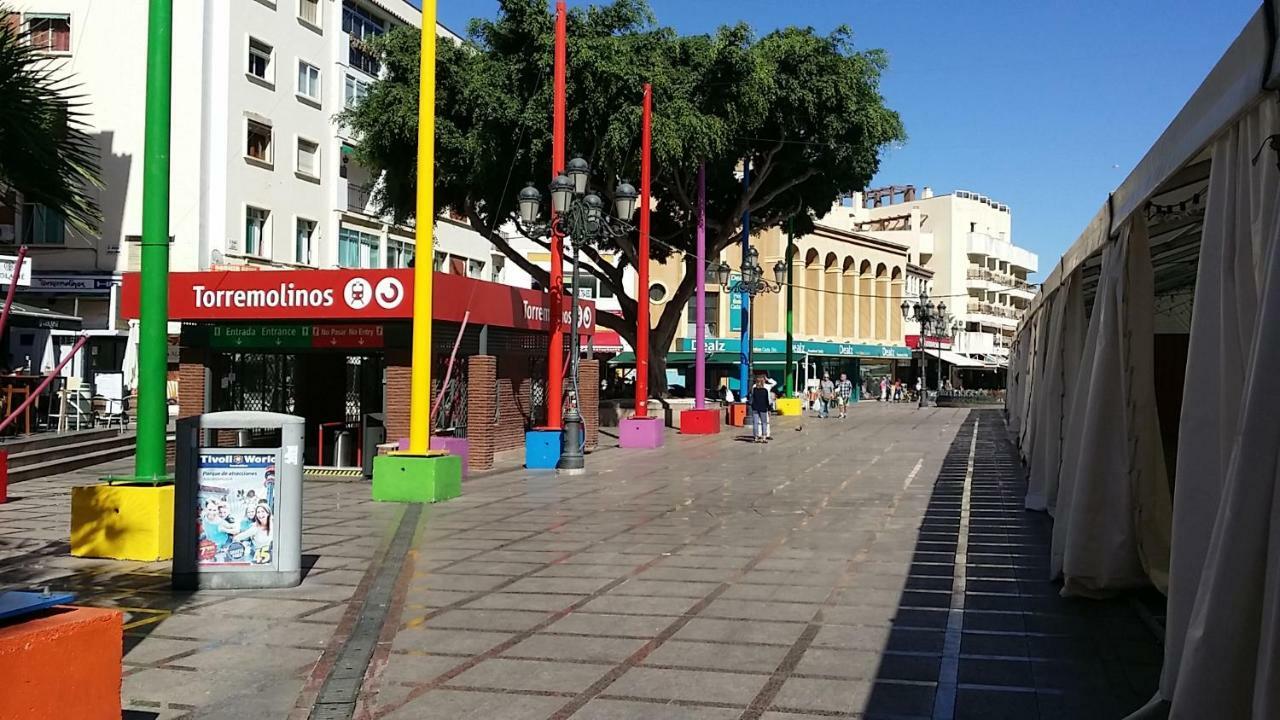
[
  {"x": 966, "y": 239},
  {"x": 263, "y": 177}
]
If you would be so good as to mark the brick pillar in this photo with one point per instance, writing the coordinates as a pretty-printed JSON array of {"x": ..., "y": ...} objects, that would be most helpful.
[
  {"x": 589, "y": 402},
  {"x": 191, "y": 381},
  {"x": 397, "y": 405},
  {"x": 482, "y": 378}
]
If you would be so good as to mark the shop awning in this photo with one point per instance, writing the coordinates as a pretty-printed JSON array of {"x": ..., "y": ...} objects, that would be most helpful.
[
  {"x": 29, "y": 316},
  {"x": 955, "y": 358}
]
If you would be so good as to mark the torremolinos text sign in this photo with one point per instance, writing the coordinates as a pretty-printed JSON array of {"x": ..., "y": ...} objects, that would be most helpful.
[{"x": 367, "y": 295}]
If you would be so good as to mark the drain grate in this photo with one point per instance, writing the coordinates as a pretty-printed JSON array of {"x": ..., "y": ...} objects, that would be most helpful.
[{"x": 337, "y": 698}]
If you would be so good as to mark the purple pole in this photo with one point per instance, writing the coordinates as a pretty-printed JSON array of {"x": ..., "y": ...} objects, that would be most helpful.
[{"x": 700, "y": 334}]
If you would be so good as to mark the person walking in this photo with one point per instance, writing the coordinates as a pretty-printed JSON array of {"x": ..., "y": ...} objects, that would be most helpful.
[
  {"x": 884, "y": 389},
  {"x": 827, "y": 391},
  {"x": 844, "y": 393},
  {"x": 759, "y": 400}
]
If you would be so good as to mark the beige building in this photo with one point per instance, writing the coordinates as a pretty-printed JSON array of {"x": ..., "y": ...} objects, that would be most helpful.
[
  {"x": 846, "y": 314},
  {"x": 966, "y": 239}
]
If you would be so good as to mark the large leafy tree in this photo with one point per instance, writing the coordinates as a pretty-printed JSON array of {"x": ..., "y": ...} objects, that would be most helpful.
[
  {"x": 804, "y": 108},
  {"x": 48, "y": 154}
]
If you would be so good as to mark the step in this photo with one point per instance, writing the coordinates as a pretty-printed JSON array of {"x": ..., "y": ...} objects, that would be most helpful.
[
  {"x": 44, "y": 440},
  {"x": 68, "y": 450},
  {"x": 62, "y": 465}
]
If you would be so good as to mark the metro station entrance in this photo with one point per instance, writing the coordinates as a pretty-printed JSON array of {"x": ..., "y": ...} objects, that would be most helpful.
[{"x": 333, "y": 391}]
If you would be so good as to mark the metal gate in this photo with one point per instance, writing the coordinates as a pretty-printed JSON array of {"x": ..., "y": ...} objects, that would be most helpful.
[{"x": 254, "y": 381}]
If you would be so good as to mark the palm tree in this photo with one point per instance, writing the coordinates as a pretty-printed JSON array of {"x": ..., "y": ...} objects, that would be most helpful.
[{"x": 48, "y": 154}]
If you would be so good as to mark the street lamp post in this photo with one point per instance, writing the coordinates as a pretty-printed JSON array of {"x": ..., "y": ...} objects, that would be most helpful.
[
  {"x": 579, "y": 216},
  {"x": 751, "y": 283},
  {"x": 935, "y": 321}
]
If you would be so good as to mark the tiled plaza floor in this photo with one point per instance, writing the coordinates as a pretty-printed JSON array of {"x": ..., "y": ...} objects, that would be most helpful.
[{"x": 876, "y": 567}]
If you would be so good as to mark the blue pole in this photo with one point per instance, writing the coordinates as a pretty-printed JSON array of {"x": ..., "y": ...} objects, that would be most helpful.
[{"x": 744, "y": 372}]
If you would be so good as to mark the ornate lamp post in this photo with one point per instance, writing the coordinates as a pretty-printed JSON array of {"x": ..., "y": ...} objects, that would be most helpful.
[
  {"x": 578, "y": 215},
  {"x": 934, "y": 321},
  {"x": 751, "y": 283}
]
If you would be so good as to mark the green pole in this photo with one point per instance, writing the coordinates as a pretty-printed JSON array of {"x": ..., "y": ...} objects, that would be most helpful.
[
  {"x": 153, "y": 316},
  {"x": 791, "y": 297}
]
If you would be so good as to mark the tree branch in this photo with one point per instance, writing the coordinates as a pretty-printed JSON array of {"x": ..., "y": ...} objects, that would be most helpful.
[
  {"x": 500, "y": 242},
  {"x": 788, "y": 185}
]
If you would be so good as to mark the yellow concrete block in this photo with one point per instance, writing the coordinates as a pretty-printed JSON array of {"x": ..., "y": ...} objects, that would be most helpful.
[
  {"x": 789, "y": 406},
  {"x": 123, "y": 522}
]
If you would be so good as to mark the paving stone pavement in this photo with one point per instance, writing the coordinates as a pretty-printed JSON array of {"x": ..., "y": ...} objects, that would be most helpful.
[{"x": 876, "y": 567}]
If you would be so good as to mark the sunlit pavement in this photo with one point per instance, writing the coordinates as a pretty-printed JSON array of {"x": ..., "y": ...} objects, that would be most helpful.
[{"x": 878, "y": 566}]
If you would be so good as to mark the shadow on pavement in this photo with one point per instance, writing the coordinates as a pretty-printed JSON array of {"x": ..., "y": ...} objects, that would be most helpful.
[{"x": 980, "y": 631}]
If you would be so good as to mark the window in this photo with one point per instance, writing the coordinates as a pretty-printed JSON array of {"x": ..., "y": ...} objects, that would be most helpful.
[
  {"x": 657, "y": 293},
  {"x": 361, "y": 25},
  {"x": 304, "y": 234},
  {"x": 260, "y": 61},
  {"x": 258, "y": 142},
  {"x": 49, "y": 33},
  {"x": 255, "y": 230},
  {"x": 309, "y": 11},
  {"x": 475, "y": 268},
  {"x": 355, "y": 91},
  {"x": 357, "y": 249},
  {"x": 399, "y": 253},
  {"x": 588, "y": 285},
  {"x": 713, "y": 315},
  {"x": 43, "y": 225},
  {"x": 308, "y": 80},
  {"x": 308, "y": 158},
  {"x": 437, "y": 261},
  {"x": 495, "y": 269}
]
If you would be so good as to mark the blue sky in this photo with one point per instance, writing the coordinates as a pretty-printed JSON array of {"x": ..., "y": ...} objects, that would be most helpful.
[{"x": 1044, "y": 106}]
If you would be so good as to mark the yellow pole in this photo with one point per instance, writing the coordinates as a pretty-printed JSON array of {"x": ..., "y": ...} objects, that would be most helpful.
[{"x": 420, "y": 373}]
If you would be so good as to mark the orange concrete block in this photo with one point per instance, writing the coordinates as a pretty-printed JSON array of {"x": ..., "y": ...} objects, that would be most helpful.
[{"x": 64, "y": 664}]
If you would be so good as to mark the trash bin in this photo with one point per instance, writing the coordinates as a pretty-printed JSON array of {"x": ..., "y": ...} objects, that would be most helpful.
[
  {"x": 372, "y": 434},
  {"x": 237, "y": 520},
  {"x": 737, "y": 414},
  {"x": 344, "y": 450}
]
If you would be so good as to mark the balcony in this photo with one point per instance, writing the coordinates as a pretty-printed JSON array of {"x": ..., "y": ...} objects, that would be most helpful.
[
  {"x": 996, "y": 281},
  {"x": 992, "y": 314},
  {"x": 984, "y": 245},
  {"x": 359, "y": 198}
]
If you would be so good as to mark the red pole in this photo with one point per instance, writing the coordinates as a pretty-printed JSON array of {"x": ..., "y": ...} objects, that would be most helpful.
[
  {"x": 13, "y": 285},
  {"x": 44, "y": 385},
  {"x": 555, "y": 353},
  {"x": 642, "y": 260}
]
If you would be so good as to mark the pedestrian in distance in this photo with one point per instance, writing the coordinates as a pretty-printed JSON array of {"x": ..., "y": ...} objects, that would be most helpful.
[
  {"x": 827, "y": 393},
  {"x": 884, "y": 389},
  {"x": 759, "y": 400},
  {"x": 844, "y": 393}
]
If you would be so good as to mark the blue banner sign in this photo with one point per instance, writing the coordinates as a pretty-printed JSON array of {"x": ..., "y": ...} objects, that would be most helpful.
[{"x": 801, "y": 347}]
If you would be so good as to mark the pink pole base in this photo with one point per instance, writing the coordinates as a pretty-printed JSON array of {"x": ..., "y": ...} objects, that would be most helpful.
[
  {"x": 700, "y": 422},
  {"x": 646, "y": 433}
]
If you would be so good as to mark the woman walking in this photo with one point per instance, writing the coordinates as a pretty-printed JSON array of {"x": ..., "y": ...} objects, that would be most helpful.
[{"x": 760, "y": 411}]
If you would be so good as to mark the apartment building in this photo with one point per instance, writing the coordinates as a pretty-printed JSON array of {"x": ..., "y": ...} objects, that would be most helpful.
[
  {"x": 966, "y": 240},
  {"x": 263, "y": 177}
]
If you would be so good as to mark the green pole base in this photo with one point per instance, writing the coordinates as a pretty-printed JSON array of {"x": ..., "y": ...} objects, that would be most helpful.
[{"x": 416, "y": 478}]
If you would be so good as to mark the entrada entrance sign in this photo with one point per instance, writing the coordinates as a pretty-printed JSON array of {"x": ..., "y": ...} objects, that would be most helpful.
[{"x": 344, "y": 295}]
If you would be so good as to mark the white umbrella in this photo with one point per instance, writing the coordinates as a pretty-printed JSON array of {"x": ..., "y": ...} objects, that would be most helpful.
[{"x": 129, "y": 366}]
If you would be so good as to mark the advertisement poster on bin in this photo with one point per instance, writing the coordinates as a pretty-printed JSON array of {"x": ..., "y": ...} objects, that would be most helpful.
[{"x": 236, "y": 507}]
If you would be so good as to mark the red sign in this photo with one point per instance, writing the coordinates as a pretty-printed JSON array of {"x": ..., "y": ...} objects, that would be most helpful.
[
  {"x": 934, "y": 343},
  {"x": 347, "y": 336},
  {"x": 366, "y": 295}
]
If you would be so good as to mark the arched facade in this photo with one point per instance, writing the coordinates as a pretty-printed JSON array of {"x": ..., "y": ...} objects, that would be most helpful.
[
  {"x": 866, "y": 290},
  {"x": 812, "y": 298},
  {"x": 848, "y": 298},
  {"x": 830, "y": 296},
  {"x": 895, "y": 302}
]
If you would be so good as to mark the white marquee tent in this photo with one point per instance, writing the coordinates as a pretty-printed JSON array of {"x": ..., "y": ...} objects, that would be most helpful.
[{"x": 1144, "y": 395}]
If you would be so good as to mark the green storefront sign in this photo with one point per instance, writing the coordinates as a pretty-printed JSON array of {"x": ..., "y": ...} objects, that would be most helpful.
[
  {"x": 290, "y": 336},
  {"x": 802, "y": 347}
]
